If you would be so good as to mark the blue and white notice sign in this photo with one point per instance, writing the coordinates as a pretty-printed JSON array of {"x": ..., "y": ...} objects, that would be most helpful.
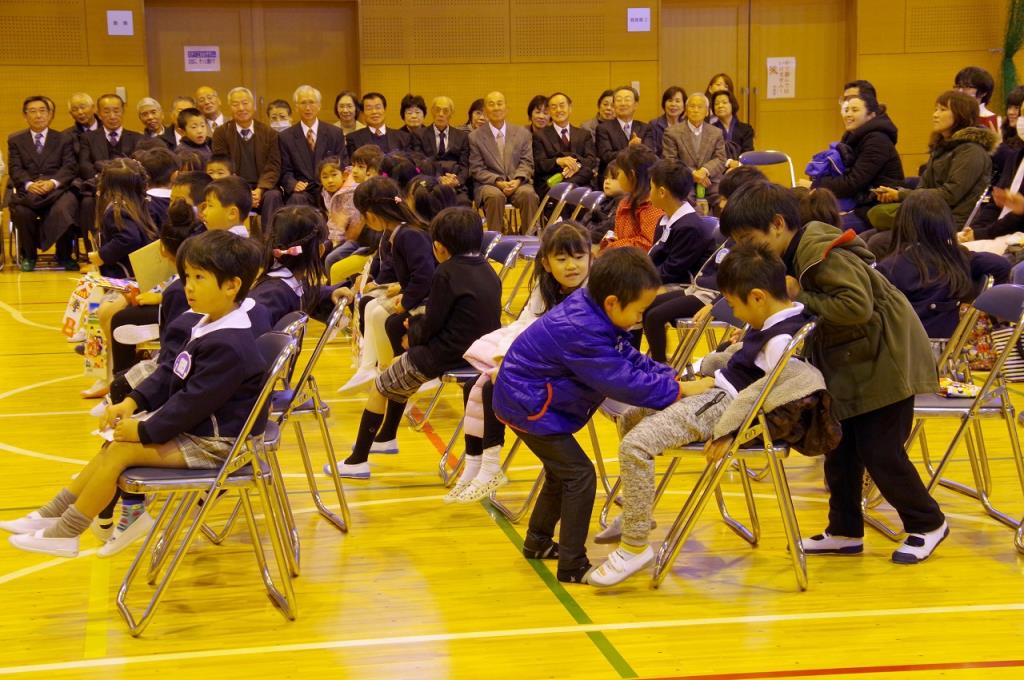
[{"x": 202, "y": 58}]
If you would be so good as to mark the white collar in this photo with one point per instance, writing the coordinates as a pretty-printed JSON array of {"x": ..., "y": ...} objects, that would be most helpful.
[
  {"x": 118, "y": 131},
  {"x": 624, "y": 123},
  {"x": 218, "y": 121},
  {"x": 159, "y": 192},
  {"x": 438, "y": 133},
  {"x": 251, "y": 128},
  {"x": 695, "y": 130},
  {"x": 382, "y": 130},
  {"x": 289, "y": 278},
  {"x": 236, "y": 319},
  {"x": 681, "y": 212},
  {"x": 306, "y": 128},
  {"x": 558, "y": 130},
  {"x": 44, "y": 132},
  {"x": 93, "y": 126},
  {"x": 178, "y": 137},
  {"x": 503, "y": 130},
  {"x": 163, "y": 129},
  {"x": 240, "y": 229},
  {"x": 791, "y": 311}
]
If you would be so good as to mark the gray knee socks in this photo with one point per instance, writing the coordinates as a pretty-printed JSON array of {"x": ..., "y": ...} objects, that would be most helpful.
[
  {"x": 58, "y": 505},
  {"x": 71, "y": 524}
]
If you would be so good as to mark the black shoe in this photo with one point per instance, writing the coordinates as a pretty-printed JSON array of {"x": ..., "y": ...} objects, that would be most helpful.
[
  {"x": 70, "y": 265},
  {"x": 28, "y": 265},
  {"x": 548, "y": 552},
  {"x": 575, "y": 575}
]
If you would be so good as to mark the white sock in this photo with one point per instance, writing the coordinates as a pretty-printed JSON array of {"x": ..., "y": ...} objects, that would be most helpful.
[
  {"x": 490, "y": 465},
  {"x": 470, "y": 469}
]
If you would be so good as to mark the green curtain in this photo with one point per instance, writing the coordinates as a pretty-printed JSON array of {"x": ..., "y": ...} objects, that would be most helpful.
[{"x": 1014, "y": 41}]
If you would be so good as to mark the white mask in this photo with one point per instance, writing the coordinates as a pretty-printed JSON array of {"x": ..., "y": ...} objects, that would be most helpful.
[
  {"x": 1020, "y": 126},
  {"x": 280, "y": 125}
]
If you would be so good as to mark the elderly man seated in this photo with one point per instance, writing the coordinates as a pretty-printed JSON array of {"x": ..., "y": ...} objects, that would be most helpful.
[
  {"x": 501, "y": 163},
  {"x": 700, "y": 146}
]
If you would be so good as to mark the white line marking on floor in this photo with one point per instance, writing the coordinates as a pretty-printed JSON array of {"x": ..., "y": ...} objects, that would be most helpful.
[
  {"x": 44, "y": 383},
  {"x": 407, "y": 640},
  {"x": 20, "y": 318},
  {"x": 39, "y": 414},
  {"x": 42, "y": 456}
]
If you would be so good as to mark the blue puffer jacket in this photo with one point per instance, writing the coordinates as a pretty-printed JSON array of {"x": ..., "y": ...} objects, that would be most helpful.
[{"x": 562, "y": 367}]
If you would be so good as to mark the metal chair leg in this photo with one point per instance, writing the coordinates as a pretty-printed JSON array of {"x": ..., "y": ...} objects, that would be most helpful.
[
  {"x": 421, "y": 422},
  {"x": 789, "y": 521},
  {"x": 515, "y": 515},
  {"x": 752, "y": 534},
  {"x": 448, "y": 477}
]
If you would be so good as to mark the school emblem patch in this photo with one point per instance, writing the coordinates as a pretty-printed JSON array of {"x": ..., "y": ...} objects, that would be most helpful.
[{"x": 182, "y": 365}]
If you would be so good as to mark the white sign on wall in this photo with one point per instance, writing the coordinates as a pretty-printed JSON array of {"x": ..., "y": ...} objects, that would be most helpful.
[
  {"x": 638, "y": 19},
  {"x": 781, "y": 77},
  {"x": 202, "y": 58}
]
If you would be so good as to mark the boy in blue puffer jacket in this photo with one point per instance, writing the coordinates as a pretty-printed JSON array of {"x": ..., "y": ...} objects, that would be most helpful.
[{"x": 554, "y": 377}]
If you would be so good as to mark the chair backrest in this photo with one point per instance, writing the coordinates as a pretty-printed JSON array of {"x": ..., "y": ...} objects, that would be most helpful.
[
  {"x": 769, "y": 157},
  {"x": 721, "y": 311},
  {"x": 558, "y": 192},
  {"x": 747, "y": 430},
  {"x": 299, "y": 394},
  {"x": 504, "y": 252},
  {"x": 489, "y": 240},
  {"x": 293, "y": 324},
  {"x": 592, "y": 200},
  {"x": 1004, "y": 302},
  {"x": 575, "y": 198}
]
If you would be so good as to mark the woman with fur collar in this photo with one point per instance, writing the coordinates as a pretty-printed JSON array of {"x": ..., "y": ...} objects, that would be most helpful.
[{"x": 959, "y": 167}]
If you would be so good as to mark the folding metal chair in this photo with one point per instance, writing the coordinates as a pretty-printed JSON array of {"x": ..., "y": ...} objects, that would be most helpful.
[
  {"x": 769, "y": 158},
  {"x": 247, "y": 470},
  {"x": 589, "y": 203},
  {"x": 528, "y": 254},
  {"x": 754, "y": 427},
  {"x": 305, "y": 400},
  {"x": 489, "y": 240},
  {"x": 1004, "y": 303},
  {"x": 557, "y": 194},
  {"x": 575, "y": 199},
  {"x": 461, "y": 377}
]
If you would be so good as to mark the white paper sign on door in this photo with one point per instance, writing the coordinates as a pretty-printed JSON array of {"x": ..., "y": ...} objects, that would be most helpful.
[
  {"x": 202, "y": 58},
  {"x": 781, "y": 77}
]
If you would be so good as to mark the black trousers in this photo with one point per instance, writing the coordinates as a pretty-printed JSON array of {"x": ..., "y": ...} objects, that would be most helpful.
[
  {"x": 34, "y": 222},
  {"x": 123, "y": 356},
  {"x": 567, "y": 496},
  {"x": 876, "y": 441},
  {"x": 666, "y": 308}
]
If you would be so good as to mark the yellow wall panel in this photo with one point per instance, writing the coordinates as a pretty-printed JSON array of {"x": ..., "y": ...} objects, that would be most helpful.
[
  {"x": 646, "y": 73},
  {"x": 115, "y": 50},
  {"x": 390, "y": 81},
  {"x": 881, "y": 26}
]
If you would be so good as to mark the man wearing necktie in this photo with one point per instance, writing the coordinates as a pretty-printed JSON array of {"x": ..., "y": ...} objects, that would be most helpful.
[
  {"x": 615, "y": 135},
  {"x": 42, "y": 168},
  {"x": 501, "y": 163},
  {"x": 563, "y": 149},
  {"x": 303, "y": 147},
  {"x": 375, "y": 108},
  {"x": 446, "y": 146}
]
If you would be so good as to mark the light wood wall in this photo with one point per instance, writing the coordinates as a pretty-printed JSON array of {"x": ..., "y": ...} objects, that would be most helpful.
[
  {"x": 467, "y": 48},
  {"x": 912, "y": 49},
  {"x": 56, "y": 47}
]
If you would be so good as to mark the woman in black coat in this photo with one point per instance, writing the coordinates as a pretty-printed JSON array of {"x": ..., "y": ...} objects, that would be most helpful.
[
  {"x": 870, "y": 139},
  {"x": 739, "y": 137}
]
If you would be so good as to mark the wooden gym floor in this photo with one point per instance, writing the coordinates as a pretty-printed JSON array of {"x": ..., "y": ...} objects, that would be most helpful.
[{"x": 419, "y": 589}]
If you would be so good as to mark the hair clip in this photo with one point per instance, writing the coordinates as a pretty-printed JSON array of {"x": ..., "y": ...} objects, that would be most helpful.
[
  {"x": 294, "y": 250},
  {"x": 383, "y": 174},
  {"x": 418, "y": 171},
  {"x": 398, "y": 200}
]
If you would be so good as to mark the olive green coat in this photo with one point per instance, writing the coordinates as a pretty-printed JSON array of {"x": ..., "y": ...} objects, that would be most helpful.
[{"x": 869, "y": 343}]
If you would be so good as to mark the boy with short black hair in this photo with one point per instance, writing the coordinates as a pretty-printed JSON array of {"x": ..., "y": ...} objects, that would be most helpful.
[
  {"x": 753, "y": 281},
  {"x": 190, "y": 187},
  {"x": 219, "y": 166},
  {"x": 464, "y": 303},
  {"x": 875, "y": 356},
  {"x": 195, "y": 134},
  {"x": 552, "y": 380},
  {"x": 198, "y": 407},
  {"x": 227, "y": 205}
]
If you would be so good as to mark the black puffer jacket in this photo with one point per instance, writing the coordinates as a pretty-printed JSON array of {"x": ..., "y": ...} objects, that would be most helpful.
[
  {"x": 959, "y": 169},
  {"x": 873, "y": 161}
]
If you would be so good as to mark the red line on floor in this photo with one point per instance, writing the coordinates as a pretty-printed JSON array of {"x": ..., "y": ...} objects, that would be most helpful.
[
  {"x": 811, "y": 672},
  {"x": 434, "y": 438}
]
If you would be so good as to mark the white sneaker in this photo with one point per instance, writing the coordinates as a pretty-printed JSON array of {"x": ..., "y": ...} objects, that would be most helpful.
[
  {"x": 918, "y": 547},
  {"x": 827, "y": 544},
  {"x": 360, "y": 381},
  {"x": 619, "y": 566},
  {"x": 29, "y": 524},
  {"x": 453, "y": 494},
  {"x": 478, "y": 490},
  {"x": 389, "y": 447},
  {"x": 131, "y": 334},
  {"x": 613, "y": 532},
  {"x": 77, "y": 337},
  {"x": 122, "y": 539},
  {"x": 350, "y": 470},
  {"x": 102, "y": 529},
  {"x": 37, "y": 543}
]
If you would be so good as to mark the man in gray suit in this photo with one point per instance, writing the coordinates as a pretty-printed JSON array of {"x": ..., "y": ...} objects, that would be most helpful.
[
  {"x": 700, "y": 146},
  {"x": 501, "y": 162}
]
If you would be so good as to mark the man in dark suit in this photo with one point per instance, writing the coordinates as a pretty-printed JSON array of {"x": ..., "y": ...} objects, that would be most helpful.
[
  {"x": 375, "y": 107},
  {"x": 151, "y": 115},
  {"x": 447, "y": 147},
  {"x": 615, "y": 135},
  {"x": 251, "y": 145},
  {"x": 303, "y": 147},
  {"x": 83, "y": 110},
  {"x": 563, "y": 149},
  {"x": 108, "y": 141},
  {"x": 501, "y": 161},
  {"x": 42, "y": 167}
]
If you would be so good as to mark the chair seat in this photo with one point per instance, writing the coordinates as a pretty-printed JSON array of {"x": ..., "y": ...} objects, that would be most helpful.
[
  {"x": 460, "y": 375},
  {"x": 936, "y": 405},
  {"x": 280, "y": 399},
  {"x": 148, "y": 479}
]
